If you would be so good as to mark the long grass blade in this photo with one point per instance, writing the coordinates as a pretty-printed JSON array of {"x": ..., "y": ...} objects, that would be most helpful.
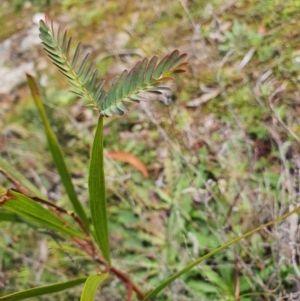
[
  {"x": 7, "y": 216},
  {"x": 17, "y": 178},
  {"x": 32, "y": 211},
  {"x": 57, "y": 154},
  {"x": 43, "y": 290},
  {"x": 97, "y": 194},
  {"x": 160, "y": 287}
]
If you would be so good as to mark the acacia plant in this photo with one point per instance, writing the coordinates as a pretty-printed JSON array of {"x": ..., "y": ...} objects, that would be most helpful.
[{"x": 25, "y": 203}]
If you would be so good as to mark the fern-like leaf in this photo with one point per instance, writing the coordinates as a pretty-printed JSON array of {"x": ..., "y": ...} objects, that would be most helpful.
[
  {"x": 146, "y": 76},
  {"x": 83, "y": 79}
]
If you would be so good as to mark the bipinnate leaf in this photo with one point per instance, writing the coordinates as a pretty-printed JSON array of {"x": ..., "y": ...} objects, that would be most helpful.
[
  {"x": 57, "y": 154},
  {"x": 43, "y": 290},
  {"x": 168, "y": 281},
  {"x": 30, "y": 210},
  {"x": 145, "y": 76},
  {"x": 81, "y": 75},
  {"x": 91, "y": 286},
  {"x": 97, "y": 193}
]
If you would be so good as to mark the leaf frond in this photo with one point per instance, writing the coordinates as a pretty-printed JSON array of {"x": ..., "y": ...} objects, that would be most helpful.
[
  {"x": 57, "y": 45},
  {"x": 146, "y": 76}
]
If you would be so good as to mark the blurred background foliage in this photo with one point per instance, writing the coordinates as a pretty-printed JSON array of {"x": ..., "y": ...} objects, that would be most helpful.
[{"x": 220, "y": 151}]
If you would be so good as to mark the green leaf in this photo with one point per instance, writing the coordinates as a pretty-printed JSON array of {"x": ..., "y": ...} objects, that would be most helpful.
[
  {"x": 119, "y": 89},
  {"x": 43, "y": 290},
  {"x": 159, "y": 68},
  {"x": 201, "y": 286},
  {"x": 144, "y": 77},
  {"x": 101, "y": 98},
  {"x": 18, "y": 178},
  {"x": 88, "y": 75},
  {"x": 7, "y": 216},
  {"x": 134, "y": 78},
  {"x": 59, "y": 53},
  {"x": 179, "y": 60},
  {"x": 141, "y": 74},
  {"x": 170, "y": 61},
  {"x": 83, "y": 64},
  {"x": 43, "y": 26},
  {"x": 111, "y": 94},
  {"x": 97, "y": 194},
  {"x": 150, "y": 69},
  {"x": 127, "y": 81},
  {"x": 126, "y": 88},
  {"x": 32, "y": 211},
  {"x": 91, "y": 286},
  {"x": 165, "y": 283},
  {"x": 57, "y": 154},
  {"x": 76, "y": 56},
  {"x": 93, "y": 81},
  {"x": 214, "y": 278},
  {"x": 98, "y": 91}
]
